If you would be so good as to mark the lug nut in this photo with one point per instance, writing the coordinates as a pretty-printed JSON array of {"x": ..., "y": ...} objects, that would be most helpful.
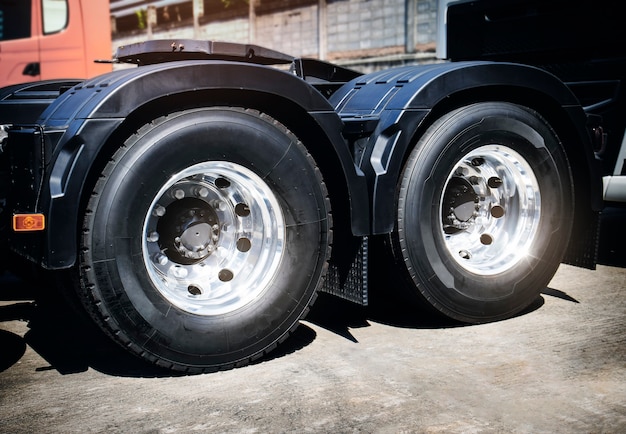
[
  {"x": 160, "y": 259},
  {"x": 158, "y": 211},
  {"x": 179, "y": 272},
  {"x": 202, "y": 192},
  {"x": 218, "y": 205}
]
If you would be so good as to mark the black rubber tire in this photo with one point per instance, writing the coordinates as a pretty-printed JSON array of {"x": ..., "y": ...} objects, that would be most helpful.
[
  {"x": 419, "y": 241},
  {"x": 115, "y": 283}
]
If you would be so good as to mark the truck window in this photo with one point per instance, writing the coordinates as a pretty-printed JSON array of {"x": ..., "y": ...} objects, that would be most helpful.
[
  {"x": 14, "y": 19},
  {"x": 54, "y": 15}
]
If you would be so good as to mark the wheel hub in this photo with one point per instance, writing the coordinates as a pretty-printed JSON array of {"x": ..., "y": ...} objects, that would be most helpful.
[
  {"x": 188, "y": 231},
  {"x": 196, "y": 241},
  {"x": 462, "y": 204}
]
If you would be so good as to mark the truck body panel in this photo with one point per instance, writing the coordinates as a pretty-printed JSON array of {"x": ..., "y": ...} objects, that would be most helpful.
[
  {"x": 397, "y": 101},
  {"x": 580, "y": 44},
  {"x": 76, "y": 127},
  {"x": 400, "y": 99}
]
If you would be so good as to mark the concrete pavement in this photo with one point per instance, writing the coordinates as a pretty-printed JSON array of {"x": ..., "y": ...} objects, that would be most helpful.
[{"x": 558, "y": 368}]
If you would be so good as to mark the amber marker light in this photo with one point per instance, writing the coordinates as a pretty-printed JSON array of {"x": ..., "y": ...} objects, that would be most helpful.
[{"x": 29, "y": 222}]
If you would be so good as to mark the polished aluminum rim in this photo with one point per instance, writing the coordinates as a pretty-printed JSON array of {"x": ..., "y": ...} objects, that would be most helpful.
[
  {"x": 490, "y": 210},
  {"x": 213, "y": 238}
]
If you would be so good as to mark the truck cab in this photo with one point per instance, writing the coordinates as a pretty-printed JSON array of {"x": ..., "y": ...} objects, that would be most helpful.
[{"x": 49, "y": 39}]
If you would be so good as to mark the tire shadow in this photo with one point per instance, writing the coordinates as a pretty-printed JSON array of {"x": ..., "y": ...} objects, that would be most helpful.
[
  {"x": 390, "y": 303},
  {"x": 59, "y": 335},
  {"x": 70, "y": 344},
  {"x": 13, "y": 348},
  {"x": 392, "y": 309}
]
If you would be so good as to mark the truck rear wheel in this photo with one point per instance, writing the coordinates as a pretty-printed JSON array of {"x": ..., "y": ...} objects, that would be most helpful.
[
  {"x": 483, "y": 211},
  {"x": 205, "y": 239}
]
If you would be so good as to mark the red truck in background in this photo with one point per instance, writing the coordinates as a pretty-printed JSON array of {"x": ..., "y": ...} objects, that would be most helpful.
[{"x": 50, "y": 39}]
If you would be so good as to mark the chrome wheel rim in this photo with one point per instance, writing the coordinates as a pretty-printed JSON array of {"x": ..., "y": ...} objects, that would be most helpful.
[
  {"x": 213, "y": 238},
  {"x": 490, "y": 210}
]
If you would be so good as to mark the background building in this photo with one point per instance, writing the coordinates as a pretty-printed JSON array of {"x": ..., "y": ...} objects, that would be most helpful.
[{"x": 363, "y": 34}]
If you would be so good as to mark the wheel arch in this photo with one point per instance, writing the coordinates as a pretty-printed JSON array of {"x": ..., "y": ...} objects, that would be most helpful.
[
  {"x": 319, "y": 131},
  {"x": 107, "y": 110},
  {"x": 443, "y": 88}
]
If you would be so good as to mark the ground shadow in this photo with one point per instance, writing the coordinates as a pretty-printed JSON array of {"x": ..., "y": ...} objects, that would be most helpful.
[
  {"x": 13, "y": 348},
  {"x": 70, "y": 344},
  {"x": 339, "y": 316},
  {"x": 559, "y": 294}
]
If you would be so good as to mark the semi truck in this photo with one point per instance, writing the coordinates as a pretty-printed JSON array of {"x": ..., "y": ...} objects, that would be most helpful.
[{"x": 198, "y": 203}]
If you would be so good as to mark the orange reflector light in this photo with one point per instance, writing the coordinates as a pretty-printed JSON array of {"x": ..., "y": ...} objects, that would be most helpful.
[{"x": 29, "y": 222}]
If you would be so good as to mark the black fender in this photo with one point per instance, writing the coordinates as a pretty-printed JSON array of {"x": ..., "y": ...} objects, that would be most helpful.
[
  {"x": 85, "y": 119},
  {"x": 402, "y": 102},
  {"x": 23, "y": 103}
]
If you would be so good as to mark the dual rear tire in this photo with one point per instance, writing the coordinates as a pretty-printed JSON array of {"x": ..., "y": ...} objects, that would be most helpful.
[
  {"x": 205, "y": 239},
  {"x": 208, "y": 232},
  {"x": 484, "y": 210}
]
